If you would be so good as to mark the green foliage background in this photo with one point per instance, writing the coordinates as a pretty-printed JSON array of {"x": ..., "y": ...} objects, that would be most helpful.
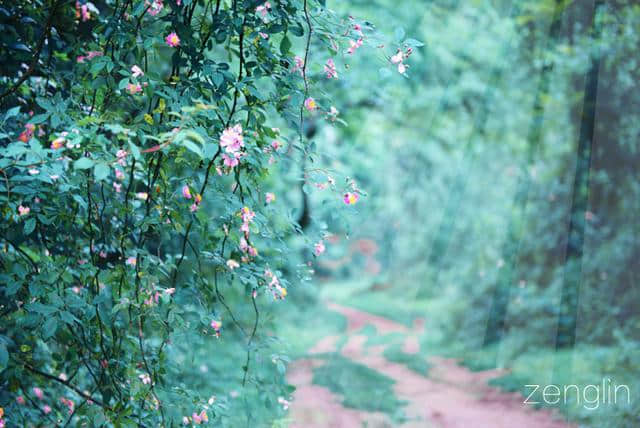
[{"x": 498, "y": 217}]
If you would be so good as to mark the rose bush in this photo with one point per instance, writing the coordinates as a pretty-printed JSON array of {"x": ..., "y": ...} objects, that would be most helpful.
[{"x": 143, "y": 236}]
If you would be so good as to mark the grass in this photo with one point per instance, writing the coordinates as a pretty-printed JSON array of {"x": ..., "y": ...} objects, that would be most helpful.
[
  {"x": 586, "y": 365},
  {"x": 415, "y": 362},
  {"x": 360, "y": 386},
  {"x": 305, "y": 326}
]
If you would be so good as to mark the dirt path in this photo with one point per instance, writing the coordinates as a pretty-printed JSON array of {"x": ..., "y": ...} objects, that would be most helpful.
[{"x": 451, "y": 396}]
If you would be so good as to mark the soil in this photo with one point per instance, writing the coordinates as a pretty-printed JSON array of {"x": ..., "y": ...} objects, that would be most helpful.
[{"x": 450, "y": 396}]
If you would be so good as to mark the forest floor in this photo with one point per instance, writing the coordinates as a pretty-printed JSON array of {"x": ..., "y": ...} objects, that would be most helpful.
[{"x": 407, "y": 390}]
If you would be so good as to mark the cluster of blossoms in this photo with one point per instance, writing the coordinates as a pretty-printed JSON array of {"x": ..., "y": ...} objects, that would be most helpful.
[
  {"x": 121, "y": 159},
  {"x": 39, "y": 394},
  {"x": 298, "y": 65},
  {"x": 247, "y": 217},
  {"x": 197, "y": 199},
  {"x": 89, "y": 56},
  {"x": 278, "y": 291},
  {"x": 145, "y": 378},
  {"x": 353, "y": 45},
  {"x": 154, "y": 295},
  {"x": 59, "y": 142},
  {"x": 330, "y": 69},
  {"x": 269, "y": 197},
  {"x": 69, "y": 403},
  {"x": 155, "y": 7},
  {"x": 232, "y": 142},
  {"x": 26, "y": 135},
  {"x": 22, "y": 210},
  {"x": 274, "y": 147},
  {"x": 83, "y": 11},
  {"x": 263, "y": 10},
  {"x": 196, "y": 418},
  {"x": 399, "y": 57}
]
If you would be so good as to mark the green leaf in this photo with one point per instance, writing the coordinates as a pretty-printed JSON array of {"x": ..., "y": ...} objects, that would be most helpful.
[
  {"x": 135, "y": 150},
  {"x": 4, "y": 356},
  {"x": 285, "y": 45},
  {"x": 83, "y": 163},
  {"x": 29, "y": 225},
  {"x": 101, "y": 171},
  {"x": 413, "y": 42},
  {"x": 193, "y": 147},
  {"x": 40, "y": 308},
  {"x": 49, "y": 328},
  {"x": 399, "y": 34},
  {"x": 68, "y": 317}
]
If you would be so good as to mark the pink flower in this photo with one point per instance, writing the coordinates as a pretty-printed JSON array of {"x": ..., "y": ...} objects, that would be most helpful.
[
  {"x": 276, "y": 145},
  {"x": 216, "y": 326},
  {"x": 196, "y": 418},
  {"x": 310, "y": 104},
  {"x": 169, "y": 291},
  {"x": 185, "y": 420},
  {"x": 70, "y": 404},
  {"x": 263, "y": 35},
  {"x": 397, "y": 58},
  {"x": 82, "y": 11},
  {"x": 351, "y": 198},
  {"x": 229, "y": 161},
  {"x": 131, "y": 261},
  {"x": 117, "y": 187},
  {"x": 136, "y": 71},
  {"x": 134, "y": 88},
  {"x": 402, "y": 68},
  {"x": 46, "y": 409},
  {"x": 155, "y": 8},
  {"x": 330, "y": 69},
  {"x": 173, "y": 40},
  {"x": 354, "y": 45},
  {"x": 269, "y": 197},
  {"x": 145, "y": 378},
  {"x": 93, "y": 54},
  {"x": 23, "y": 210},
  {"x": 186, "y": 192},
  {"x": 298, "y": 65},
  {"x": 119, "y": 174},
  {"x": 20, "y": 400},
  {"x": 318, "y": 248},
  {"x": 264, "y": 9},
  {"x": 193, "y": 208},
  {"x": 231, "y": 139},
  {"x": 232, "y": 264},
  {"x": 38, "y": 393},
  {"x": 58, "y": 143}
]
